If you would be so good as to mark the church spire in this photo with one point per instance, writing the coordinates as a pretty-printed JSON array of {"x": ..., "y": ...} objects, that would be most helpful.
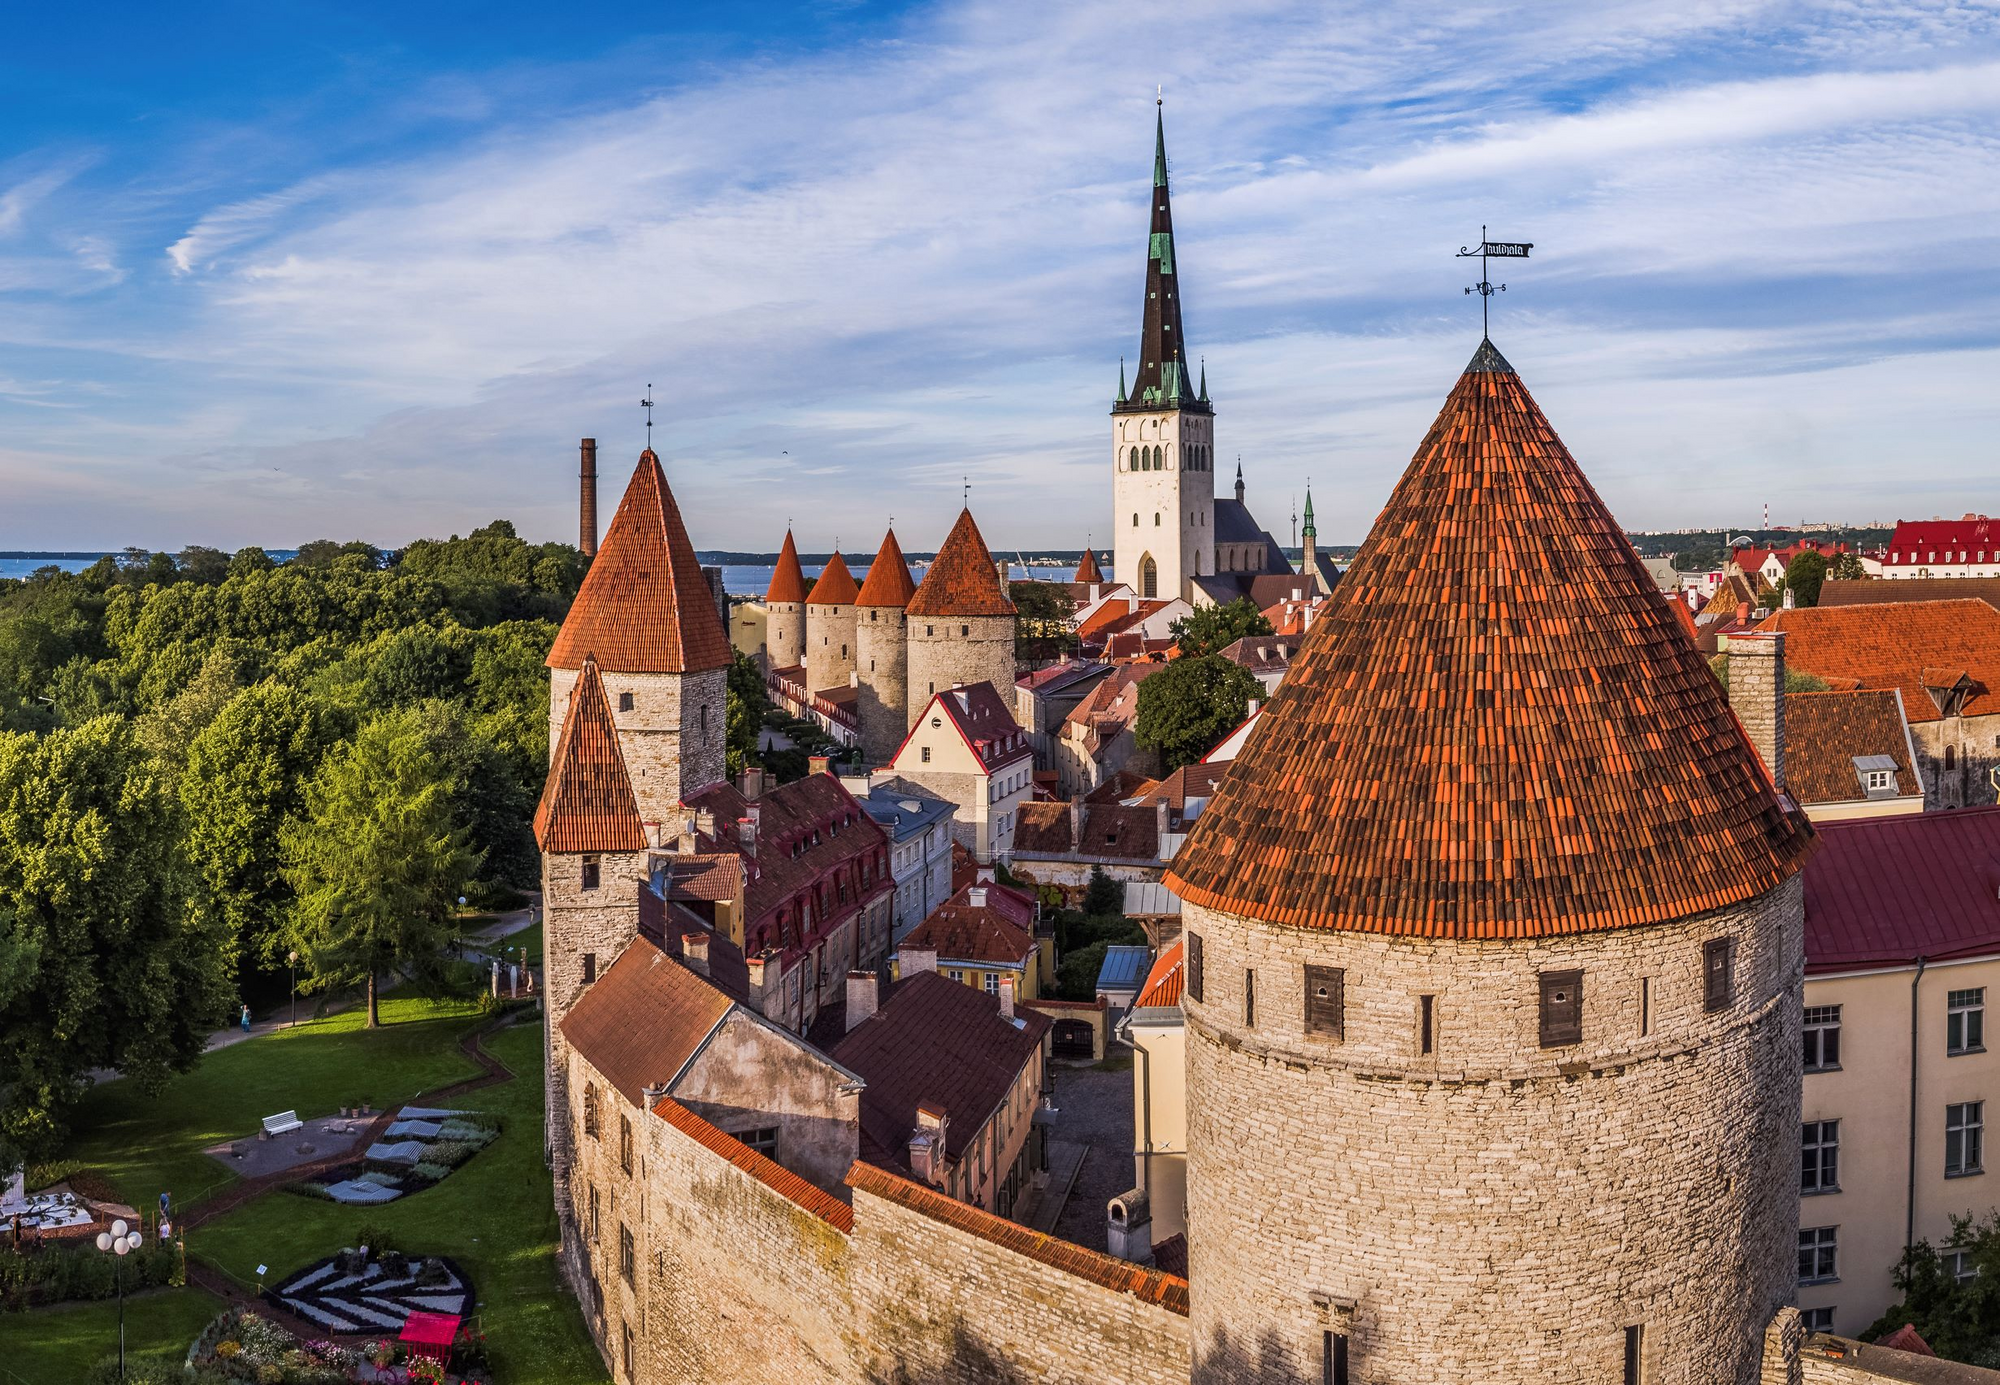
[
  {"x": 1309, "y": 531},
  {"x": 1162, "y": 378}
]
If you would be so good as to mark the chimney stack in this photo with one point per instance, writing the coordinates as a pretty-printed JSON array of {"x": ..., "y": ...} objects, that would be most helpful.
[
  {"x": 863, "y": 996},
  {"x": 927, "y": 1144},
  {"x": 1000, "y": 566},
  {"x": 1757, "y": 692},
  {"x": 911, "y": 960},
  {"x": 1006, "y": 997},
  {"x": 1076, "y": 825},
  {"x": 1129, "y": 1232},
  {"x": 975, "y": 896},
  {"x": 694, "y": 952},
  {"x": 586, "y": 538},
  {"x": 821, "y": 764},
  {"x": 746, "y": 831}
]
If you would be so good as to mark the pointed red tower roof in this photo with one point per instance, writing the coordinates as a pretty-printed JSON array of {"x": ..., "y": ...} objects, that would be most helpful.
[
  {"x": 644, "y": 606},
  {"x": 836, "y": 584},
  {"x": 1087, "y": 571},
  {"x": 788, "y": 581},
  {"x": 587, "y": 802},
  {"x": 889, "y": 582},
  {"x": 962, "y": 581},
  {"x": 1498, "y": 728}
]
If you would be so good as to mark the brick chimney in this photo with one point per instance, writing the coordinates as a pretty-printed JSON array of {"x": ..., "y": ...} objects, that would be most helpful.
[
  {"x": 1757, "y": 692},
  {"x": 754, "y": 781},
  {"x": 694, "y": 952},
  {"x": 586, "y": 537},
  {"x": 1006, "y": 997},
  {"x": 821, "y": 764},
  {"x": 927, "y": 1144},
  {"x": 916, "y": 959},
  {"x": 746, "y": 831},
  {"x": 864, "y": 993}
]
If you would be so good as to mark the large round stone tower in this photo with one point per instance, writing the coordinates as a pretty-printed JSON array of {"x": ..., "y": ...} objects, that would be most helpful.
[
  {"x": 785, "y": 610},
  {"x": 881, "y": 655},
  {"x": 1495, "y": 964},
  {"x": 830, "y": 627},
  {"x": 961, "y": 622}
]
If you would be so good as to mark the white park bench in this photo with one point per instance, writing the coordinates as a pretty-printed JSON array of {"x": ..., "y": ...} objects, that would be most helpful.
[{"x": 281, "y": 1123}]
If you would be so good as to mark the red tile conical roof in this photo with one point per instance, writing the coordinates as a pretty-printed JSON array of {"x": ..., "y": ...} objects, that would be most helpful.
[
  {"x": 587, "y": 802},
  {"x": 836, "y": 584},
  {"x": 1497, "y": 728},
  {"x": 644, "y": 606},
  {"x": 1086, "y": 571},
  {"x": 788, "y": 581},
  {"x": 962, "y": 581},
  {"x": 888, "y": 582}
]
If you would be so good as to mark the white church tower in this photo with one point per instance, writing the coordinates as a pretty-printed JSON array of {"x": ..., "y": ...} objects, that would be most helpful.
[{"x": 1163, "y": 433}]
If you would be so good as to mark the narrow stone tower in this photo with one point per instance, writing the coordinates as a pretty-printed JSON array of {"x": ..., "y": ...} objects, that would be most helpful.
[
  {"x": 1494, "y": 964},
  {"x": 961, "y": 622},
  {"x": 785, "y": 604},
  {"x": 881, "y": 649},
  {"x": 1162, "y": 431},
  {"x": 830, "y": 627}
]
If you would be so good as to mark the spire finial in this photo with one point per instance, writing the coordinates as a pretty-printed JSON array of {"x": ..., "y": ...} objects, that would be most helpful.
[
  {"x": 965, "y": 498},
  {"x": 1499, "y": 249},
  {"x": 1121, "y": 379},
  {"x": 647, "y": 405}
]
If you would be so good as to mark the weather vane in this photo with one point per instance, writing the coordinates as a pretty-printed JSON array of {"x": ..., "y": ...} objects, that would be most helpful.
[
  {"x": 1498, "y": 249},
  {"x": 647, "y": 405},
  {"x": 966, "y": 497}
]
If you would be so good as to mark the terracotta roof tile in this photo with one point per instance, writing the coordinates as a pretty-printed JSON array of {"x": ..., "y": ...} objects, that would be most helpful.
[
  {"x": 771, "y": 1174},
  {"x": 644, "y": 606},
  {"x": 587, "y": 802},
  {"x": 643, "y": 1019},
  {"x": 962, "y": 581},
  {"x": 1904, "y": 646},
  {"x": 1087, "y": 570},
  {"x": 1147, "y": 1285},
  {"x": 960, "y": 932},
  {"x": 1825, "y": 731},
  {"x": 888, "y": 582},
  {"x": 1162, "y": 987},
  {"x": 788, "y": 579},
  {"x": 835, "y": 586},
  {"x": 790, "y": 814},
  {"x": 1496, "y": 728}
]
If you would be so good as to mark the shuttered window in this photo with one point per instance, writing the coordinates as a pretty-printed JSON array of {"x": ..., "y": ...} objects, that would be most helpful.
[
  {"x": 1325, "y": 987},
  {"x": 1562, "y": 1008},
  {"x": 1718, "y": 973},
  {"x": 1194, "y": 965}
]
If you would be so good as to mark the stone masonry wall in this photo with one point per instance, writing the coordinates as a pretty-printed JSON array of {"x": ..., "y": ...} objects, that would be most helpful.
[
  {"x": 1494, "y": 1210},
  {"x": 673, "y": 735},
  {"x": 882, "y": 665},
  {"x": 785, "y": 634},
  {"x": 1975, "y": 747},
  {"x": 829, "y": 646},
  {"x": 958, "y": 649}
]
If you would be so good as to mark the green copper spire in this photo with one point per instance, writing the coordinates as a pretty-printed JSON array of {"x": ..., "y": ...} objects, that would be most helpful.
[
  {"x": 1160, "y": 148},
  {"x": 1121, "y": 379},
  {"x": 1204, "y": 379},
  {"x": 1309, "y": 531}
]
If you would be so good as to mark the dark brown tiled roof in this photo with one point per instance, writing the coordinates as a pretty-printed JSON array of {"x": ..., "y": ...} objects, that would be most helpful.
[
  {"x": 1111, "y": 832},
  {"x": 1874, "y": 591},
  {"x": 836, "y": 584},
  {"x": 962, "y": 933},
  {"x": 644, "y": 606},
  {"x": 792, "y": 813},
  {"x": 788, "y": 579},
  {"x": 1824, "y": 731},
  {"x": 1087, "y": 570},
  {"x": 642, "y": 1020},
  {"x": 962, "y": 581},
  {"x": 1915, "y": 647},
  {"x": 1148, "y": 1286},
  {"x": 888, "y": 582},
  {"x": 987, "y": 723},
  {"x": 1121, "y": 785},
  {"x": 587, "y": 802},
  {"x": 1496, "y": 728},
  {"x": 940, "y": 1042}
]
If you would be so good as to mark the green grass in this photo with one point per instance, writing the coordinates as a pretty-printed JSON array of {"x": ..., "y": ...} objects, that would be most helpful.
[
  {"x": 529, "y": 940},
  {"x": 55, "y": 1346},
  {"x": 494, "y": 1215},
  {"x": 146, "y": 1145}
]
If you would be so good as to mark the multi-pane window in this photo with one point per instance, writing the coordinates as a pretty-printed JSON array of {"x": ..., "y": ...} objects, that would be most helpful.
[
  {"x": 1964, "y": 1139},
  {"x": 1718, "y": 973},
  {"x": 590, "y": 1109},
  {"x": 764, "y": 1140},
  {"x": 627, "y": 1256},
  {"x": 991, "y": 980},
  {"x": 1822, "y": 1037},
  {"x": 1816, "y": 1319},
  {"x": 1817, "y": 1254},
  {"x": 1880, "y": 780},
  {"x": 1959, "y": 1264},
  {"x": 1819, "y": 1157},
  {"x": 1965, "y": 1021}
]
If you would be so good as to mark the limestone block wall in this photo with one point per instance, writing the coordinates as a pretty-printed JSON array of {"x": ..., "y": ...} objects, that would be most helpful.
[
  {"x": 829, "y": 646},
  {"x": 748, "y": 1077},
  {"x": 785, "y": 633},
  {"x": 944, "y": 650},
  {"x": 1975, "y": 751},
  {"x": 672, "y": 735},
  {"x": 881, "y": 660},
  {"x": 1491, "y": 1209}
]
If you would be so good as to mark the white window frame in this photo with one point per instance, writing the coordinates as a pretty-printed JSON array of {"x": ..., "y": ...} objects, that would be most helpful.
[
  {"x": 1821, "y": 1023},
  {"x": 1965, "y": 1021},
  {"x": 1964, "y": 1139}
]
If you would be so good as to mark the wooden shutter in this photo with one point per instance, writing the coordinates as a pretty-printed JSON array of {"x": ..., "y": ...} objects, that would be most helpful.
[
  {"x": 1325, "y": 988},
  {"x": 1718, "y": 971},
  {"x": 1562, "y": 1008},
  {"x": 1194, "y": 965}
]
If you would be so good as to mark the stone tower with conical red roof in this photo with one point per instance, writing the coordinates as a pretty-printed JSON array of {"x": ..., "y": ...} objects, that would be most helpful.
[
  {"x": 961, "y": 622},
  {"x": 881, "y": 652},
  {"x": 1162, "y": 430},
  {"x": 785, "y": 607},
  {"x": 830, "y": 627},
  {"x": 1494, "y": 964}
]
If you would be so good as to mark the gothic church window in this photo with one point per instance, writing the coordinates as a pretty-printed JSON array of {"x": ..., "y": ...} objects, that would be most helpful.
[{"x": 1134, "y": 466}]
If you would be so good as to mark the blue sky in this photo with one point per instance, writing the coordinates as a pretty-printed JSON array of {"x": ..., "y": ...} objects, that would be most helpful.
[{"x": 271, "y": 272}]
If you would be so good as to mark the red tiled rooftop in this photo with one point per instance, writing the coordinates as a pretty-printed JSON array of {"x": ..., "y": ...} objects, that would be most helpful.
[
  {"x": 962, "y": 581},
  {"x": 1825, "y": 731},
  {"x": 1885, "y": 891},
  {"x": 1162, "y": 987},
  {"x": 587, "y": 802},
  {"x": 836, "y": 584},
  {"x": 970, "y": 933},
  {"x": 1911, "y": 647},
  {"x": 788, "y": 579},
  {"x": 642, "y": 1020},
  {"x": 1871, "y": 591},
  {"x": 1496, "y": 727},
  {"x": 644, "y": 606},
  {"x": 1917, "y": 540},
  {"x": 888, "y": 582},
  {"x": 1087, "y": 570}
]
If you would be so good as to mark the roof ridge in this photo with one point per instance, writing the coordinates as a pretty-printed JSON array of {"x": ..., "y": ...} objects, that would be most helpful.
[{"x": 587, "y": 802}]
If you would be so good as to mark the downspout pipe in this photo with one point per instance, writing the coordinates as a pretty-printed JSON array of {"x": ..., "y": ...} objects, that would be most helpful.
[
  {"x": 1145, "y": 1104},
  {"x": 1910, "y": 1202}
]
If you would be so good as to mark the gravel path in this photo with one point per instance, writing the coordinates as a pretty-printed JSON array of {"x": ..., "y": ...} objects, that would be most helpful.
[{"x": 1095, "y": 1104}]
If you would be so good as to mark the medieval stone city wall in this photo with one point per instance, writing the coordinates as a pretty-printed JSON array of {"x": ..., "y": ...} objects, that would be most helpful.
[
  {"x": 946, "y": 650},
  {"x": 882, "y": 665},
  {"x": 829, "y": 646},
  {"x": 785, "y": 634},
  {"x": 1494, "y": 1210}
]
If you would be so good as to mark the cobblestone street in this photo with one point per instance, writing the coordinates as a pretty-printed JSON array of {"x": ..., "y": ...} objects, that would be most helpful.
[{"x": 1095, "y": 1105}]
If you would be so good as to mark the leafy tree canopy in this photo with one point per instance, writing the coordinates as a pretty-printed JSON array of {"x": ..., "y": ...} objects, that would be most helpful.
[
  {"x": 1959, "y": 1318},
  {"x": 1211, "y": 628},
  {"x": 1804, "y": 576},
  {"x": 1190, "y": 705}
]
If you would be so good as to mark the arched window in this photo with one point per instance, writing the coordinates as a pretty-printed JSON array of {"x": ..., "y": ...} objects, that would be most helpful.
[
  {"x": 1156, "y": 458},
  {"x": 1135, "y": 519},
  {"x": 1156, "y": 519},
  {"x": 1134, "y": 465},
  {"x": 1149, "y": 577},
  {"x": 1951, "y": 757}
]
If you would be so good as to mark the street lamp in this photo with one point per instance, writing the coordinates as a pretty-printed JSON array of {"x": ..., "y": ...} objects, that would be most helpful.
[
  {"x": 121, "y": 1241},
  {"x": 292, "y": 961}
]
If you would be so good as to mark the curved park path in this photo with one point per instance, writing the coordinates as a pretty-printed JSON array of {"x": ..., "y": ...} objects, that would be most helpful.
[{"x": 492, "y": 1071}]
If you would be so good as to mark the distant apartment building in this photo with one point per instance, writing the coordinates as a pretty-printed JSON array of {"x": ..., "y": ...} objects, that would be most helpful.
[{"x": 1965, "y": 547}]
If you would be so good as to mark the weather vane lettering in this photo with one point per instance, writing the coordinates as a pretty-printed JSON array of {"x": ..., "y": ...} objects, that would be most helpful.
[
  {"x": 647, "y": 405},
  {"x": 1495, "y": 249}
]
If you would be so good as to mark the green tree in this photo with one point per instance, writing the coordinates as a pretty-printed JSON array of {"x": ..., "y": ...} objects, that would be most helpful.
[
  {"x": 1846, "y": 567},
  {"x": 1042, "y": 615},
  {"x": 378, "y": 859},
  {"x": 1190, "y": 705},
  {"x": 1211, "y": 628},
  {"x": 1103, "y": 895},
  {"x": 748, "y": 704},
  {"x": 1959, "y": 1318},
  {"x": 1803, "y": 576},
  {"x": 113, "y": 957},
  {"x": 171, "y": 728}
]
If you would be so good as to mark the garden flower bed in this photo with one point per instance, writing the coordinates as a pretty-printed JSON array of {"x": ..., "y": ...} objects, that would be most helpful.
[
  {"x": 421, "y": 1147},
  {"x": 249, "y": 1347}
]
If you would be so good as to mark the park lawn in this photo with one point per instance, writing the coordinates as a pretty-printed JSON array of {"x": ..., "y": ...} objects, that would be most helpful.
[
  {"x": 55, "y": 1346},
  {"x": 495, "y": 1216},
  {"x": 147, "y": 1145},
  {"x": 529, "y": 940}
]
